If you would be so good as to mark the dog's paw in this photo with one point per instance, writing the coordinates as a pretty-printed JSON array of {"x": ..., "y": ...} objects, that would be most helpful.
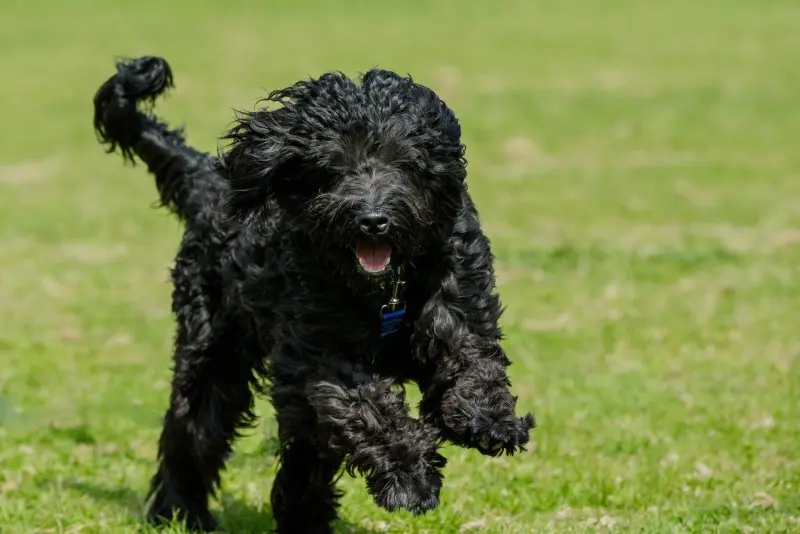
[
  {"x": 494, "y": 436},
  {"x": 412, "y": 487},
  {"x": 164, "y": 510}
]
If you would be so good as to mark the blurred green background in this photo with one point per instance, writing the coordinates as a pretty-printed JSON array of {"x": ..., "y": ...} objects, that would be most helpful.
[{"x": 636, "y": 167}]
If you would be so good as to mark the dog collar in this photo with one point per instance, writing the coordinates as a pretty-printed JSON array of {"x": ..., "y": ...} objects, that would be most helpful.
[{"x": 393, "y": 312}]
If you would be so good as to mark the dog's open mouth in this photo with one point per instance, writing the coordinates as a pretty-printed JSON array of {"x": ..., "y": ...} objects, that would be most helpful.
[{"x": 373, "y": 256}]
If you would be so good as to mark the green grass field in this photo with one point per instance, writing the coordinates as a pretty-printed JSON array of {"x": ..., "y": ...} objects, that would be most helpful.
[{"x": 637, "y": 166}]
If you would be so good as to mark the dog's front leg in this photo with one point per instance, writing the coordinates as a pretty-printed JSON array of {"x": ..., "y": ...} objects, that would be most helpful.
[
  {"x": 370, "y": 423},
  {"x": 457, "y": 342}
]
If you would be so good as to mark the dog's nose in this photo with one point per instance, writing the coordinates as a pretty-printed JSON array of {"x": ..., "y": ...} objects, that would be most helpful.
[{"x": 374, "y": 223}]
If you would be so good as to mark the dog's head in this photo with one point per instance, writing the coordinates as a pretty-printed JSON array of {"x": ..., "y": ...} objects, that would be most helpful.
[{"x": 373, "y": 172}]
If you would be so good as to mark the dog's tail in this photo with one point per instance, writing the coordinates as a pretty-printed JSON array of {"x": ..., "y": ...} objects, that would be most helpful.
[{"x": 186, "y": 178}]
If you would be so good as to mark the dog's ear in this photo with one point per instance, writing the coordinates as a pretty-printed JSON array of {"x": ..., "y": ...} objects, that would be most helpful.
[
  {"x": 269, "y": 149},
  {"x": 263, "y": 152},
  {"x": 430, "y": 124}
]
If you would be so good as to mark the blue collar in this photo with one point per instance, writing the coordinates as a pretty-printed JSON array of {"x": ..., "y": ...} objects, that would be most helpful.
[{"x": 393, "y": 312}]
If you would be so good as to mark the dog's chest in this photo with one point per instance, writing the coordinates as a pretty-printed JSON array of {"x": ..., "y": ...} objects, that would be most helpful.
[
  {"x": 379, "y": 331},
  {"x": 366, "y": 330},
  {"x": 336, "y": 320}
]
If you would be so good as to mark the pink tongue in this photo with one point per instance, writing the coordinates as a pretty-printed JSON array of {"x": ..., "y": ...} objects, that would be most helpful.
[{"x": 373, "y": 257}]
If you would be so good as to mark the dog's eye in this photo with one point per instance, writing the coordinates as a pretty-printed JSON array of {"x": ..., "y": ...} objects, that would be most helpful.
[
  {"x": 322, "y": 181},
  {"x": 310, "y": 183}
]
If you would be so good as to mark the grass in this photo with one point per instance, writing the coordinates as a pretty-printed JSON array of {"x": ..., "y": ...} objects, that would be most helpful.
[{"x": 636, "y": 166}]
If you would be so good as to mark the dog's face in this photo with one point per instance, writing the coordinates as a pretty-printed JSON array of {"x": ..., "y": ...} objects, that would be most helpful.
[{"x": 371, "y": 173}]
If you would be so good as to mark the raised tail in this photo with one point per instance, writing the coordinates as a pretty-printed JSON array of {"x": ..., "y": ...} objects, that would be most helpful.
[{"x": 186, "y": 178}]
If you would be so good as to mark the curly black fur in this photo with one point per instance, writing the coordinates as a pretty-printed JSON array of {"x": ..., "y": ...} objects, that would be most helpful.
[{"x": 271, "y": 292}]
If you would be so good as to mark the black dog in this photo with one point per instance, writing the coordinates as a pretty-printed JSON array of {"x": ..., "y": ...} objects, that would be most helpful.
[{"x": 331, "y": 252}]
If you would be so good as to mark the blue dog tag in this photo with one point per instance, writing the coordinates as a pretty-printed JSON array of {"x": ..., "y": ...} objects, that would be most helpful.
[{"x": 390, "y": 321}]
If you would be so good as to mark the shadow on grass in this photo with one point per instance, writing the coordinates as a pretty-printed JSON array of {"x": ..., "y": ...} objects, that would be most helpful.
[
  {"x": 233, "y": 515},
  {"x": 132, "y": 501}
]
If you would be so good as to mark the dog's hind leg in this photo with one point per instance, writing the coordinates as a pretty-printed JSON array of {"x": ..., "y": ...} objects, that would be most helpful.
[
  {"x": 211, "y": 400},
  {"x": 216, "y": 366}
]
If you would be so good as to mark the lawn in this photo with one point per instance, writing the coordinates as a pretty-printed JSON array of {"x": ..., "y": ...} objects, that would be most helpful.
[{"x": 636, "y": 165}]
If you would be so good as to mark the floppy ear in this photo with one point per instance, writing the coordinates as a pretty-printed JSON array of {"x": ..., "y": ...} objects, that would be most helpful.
[{"x": 264, "y": 151}]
